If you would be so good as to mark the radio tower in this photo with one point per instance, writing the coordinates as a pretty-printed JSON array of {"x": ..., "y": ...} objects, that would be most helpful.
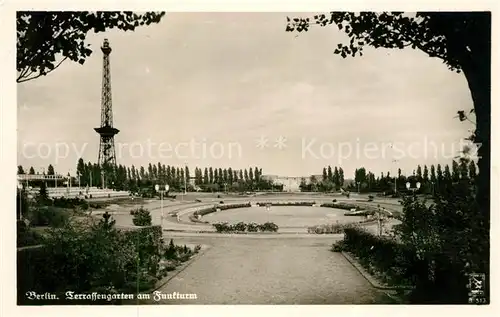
[{"x": 107, "y": 155}]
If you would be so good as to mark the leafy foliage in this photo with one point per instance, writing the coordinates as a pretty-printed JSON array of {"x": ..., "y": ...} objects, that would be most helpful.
[
  {"x": 49, "y": 216},
  {"x": 43, "y": 36},
  {"x": 242, "y": 227},
  {"x": 395, "y": 261},
  {"x": 26, "y": 236},
  {"x": 448, "y": 36},
  {"x": 286, "y": 203},
  {"x": 329, "y": 228},
  {"x": 142, "y": 217},
  {"x": 95, "y": 257}
]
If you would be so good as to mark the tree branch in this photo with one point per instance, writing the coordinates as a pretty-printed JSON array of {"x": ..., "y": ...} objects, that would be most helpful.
[{"x": 41, "y": 74}]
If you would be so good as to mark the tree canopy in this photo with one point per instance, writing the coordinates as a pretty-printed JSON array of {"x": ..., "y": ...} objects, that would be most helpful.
[
  {"x": 450, "y": 36},
  {"x": 462, "y": 40},
  {"x": 46, "y": 39}
]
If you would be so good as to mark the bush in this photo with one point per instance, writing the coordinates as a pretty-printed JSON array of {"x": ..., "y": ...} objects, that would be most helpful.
[
  {"x": 370, "y": 197},
  {"x": 222, "y": 227},
  {"x": 179, "y": 253},
  {"x": 396, "y": 261},
  {"x": 235, "y": 206},
  {"x": 63, "y": 202},
  {"x": 48, "y": 216},
  {"x": 239, "y": 227},
  {"x": 329, "y": 228},
  {"x": 26, "y": 236},
  {"x": 338, "y": 246},
  {"x": 242, "y": 227},
  {"x": 87, "y": 258},
  {"x": 268, "y": 227},
  {"x": 206, "y": 211},
  {"x": 340, "y": 205},
  {"x": 287, "y": 203},
  {"x": 142, "y": 217},
  {"x": 252, "y": 227}
]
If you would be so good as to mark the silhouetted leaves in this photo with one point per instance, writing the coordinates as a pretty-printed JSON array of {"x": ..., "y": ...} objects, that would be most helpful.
[
  {"x": 43, "y": 37},
  {"x": 448, "y": 36}
]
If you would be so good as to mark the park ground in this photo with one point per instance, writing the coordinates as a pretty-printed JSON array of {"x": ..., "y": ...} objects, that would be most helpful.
[{"x": 286, "y": 268}]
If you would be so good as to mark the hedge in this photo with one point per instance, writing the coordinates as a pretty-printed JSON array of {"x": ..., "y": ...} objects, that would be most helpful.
[
  {"x": 396, "y": 262},
  {"x": 329, "y": 228},
  {"x": 344, "y": 206},
  {"x": 209, "y": 210},
  {"x": 242, "y": 227},
  {"x": 288, "y": 203}
]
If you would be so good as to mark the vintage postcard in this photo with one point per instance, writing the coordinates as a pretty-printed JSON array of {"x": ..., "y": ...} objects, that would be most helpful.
[{"x": 257, "y": 158}]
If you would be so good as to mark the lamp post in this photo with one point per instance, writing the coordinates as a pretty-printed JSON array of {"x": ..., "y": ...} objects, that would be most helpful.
[
  {"x": 20, "y": 188},
  {"x": 379, "y": 220},
  {"x": 68, "y": 185},
  {"x": 413, "y": 189},
  {"x": 185, "y": 178},
  {"x": 395, "y": 179},
  {"x": 161, "y": 190}
]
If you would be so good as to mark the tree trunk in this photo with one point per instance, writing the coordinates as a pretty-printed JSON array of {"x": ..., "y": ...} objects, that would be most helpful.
[{"x": 477, "y": 71}]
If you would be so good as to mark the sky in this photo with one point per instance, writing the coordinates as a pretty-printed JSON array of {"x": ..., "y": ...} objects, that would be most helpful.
[{"x": 236, "y": 90}]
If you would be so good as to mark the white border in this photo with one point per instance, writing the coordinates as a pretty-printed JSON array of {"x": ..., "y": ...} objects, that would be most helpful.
[{"x": 8, "y": 150}]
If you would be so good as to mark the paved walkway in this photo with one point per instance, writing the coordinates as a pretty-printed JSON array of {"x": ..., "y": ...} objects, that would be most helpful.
[
  {"x": 260, "y": 269},
  {"x": 269, "y": 271}
]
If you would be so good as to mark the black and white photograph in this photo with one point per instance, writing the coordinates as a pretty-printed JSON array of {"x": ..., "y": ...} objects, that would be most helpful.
[{"x": 253, "y": 158}]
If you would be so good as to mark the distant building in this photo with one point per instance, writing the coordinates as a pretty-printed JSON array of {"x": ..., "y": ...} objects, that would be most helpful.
[{"x": 290, "y": 183}]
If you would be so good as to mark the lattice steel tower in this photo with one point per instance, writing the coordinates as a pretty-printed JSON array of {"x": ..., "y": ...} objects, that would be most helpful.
[{"x": 107, "y": 154}]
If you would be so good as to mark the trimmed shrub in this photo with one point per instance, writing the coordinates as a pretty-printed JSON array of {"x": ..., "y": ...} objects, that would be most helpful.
[
  {"x": 340, "y": 205},
  {"x": 252, "y": 227},
  {"x": 240, "y": 227},
  {"x": 268, "y": 227},
  {"x": 287, "y": 203},
  {"x": 329, "y": 228},
  {"x": 142, "y": 217},
  {"x": 397, "y": 262},
  {"x": 235, "y": 206}
]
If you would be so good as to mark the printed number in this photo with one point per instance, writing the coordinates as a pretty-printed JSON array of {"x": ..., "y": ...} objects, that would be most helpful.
[{"x": 475, "y": 300}]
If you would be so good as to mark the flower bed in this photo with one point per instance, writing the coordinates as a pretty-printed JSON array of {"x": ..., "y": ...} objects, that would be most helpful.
[
  {"x": 241, "y": 227},
  {"x": 287, "y": 203}
]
